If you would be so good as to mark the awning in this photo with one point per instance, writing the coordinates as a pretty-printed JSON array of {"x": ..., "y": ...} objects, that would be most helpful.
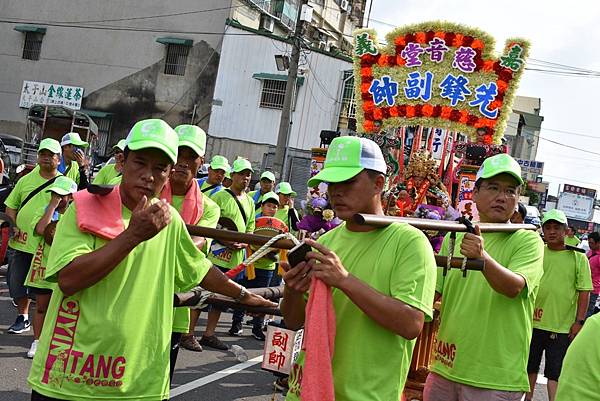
[
  {"x": 325, "y": 32},
  {"x": 96, "y": 113},
  {"x": 276, "y": 77},
  {"x": 30, "y": 28},
  {"x": 175, "y": 41}
]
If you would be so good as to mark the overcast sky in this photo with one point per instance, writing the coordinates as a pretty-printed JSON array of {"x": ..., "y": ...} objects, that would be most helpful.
[{"x": 560, "y": 32}]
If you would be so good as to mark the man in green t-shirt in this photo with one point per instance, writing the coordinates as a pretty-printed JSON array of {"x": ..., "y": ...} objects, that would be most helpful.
[
  {"x": 26, "y": 198},
  {"x": 561, "y": 303},
  {"x": 571, "y": 238},
  {"x": 581, "y": 368},
  {"x": 267, "y": 181},
  {"x": 111, "y": 170},
  {"x": 62, "y": 190},
  {"x": 382, "y": 281},
  {"x": 213, "y": 182},
  {"x": 117, "y": 259},
  {"x": 482, "y": 344},
  {"x": 185, "y": 196},
  {"x": 238, "y": 207},
  {"x": 74, "y": 163}
]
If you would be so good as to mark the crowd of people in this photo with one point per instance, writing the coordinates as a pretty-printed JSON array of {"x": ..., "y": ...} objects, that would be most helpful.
[{"x": 103, "y": 260}]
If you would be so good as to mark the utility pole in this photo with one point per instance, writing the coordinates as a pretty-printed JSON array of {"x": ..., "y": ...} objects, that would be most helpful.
[{"x": 286, "y": 111}]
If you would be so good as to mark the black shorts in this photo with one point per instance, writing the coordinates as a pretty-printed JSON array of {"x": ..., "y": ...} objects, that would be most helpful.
[
  {"x": 554, "y": 346},
  {"x": 18, "y": 268},
  {"x": 39, "y": 291}
]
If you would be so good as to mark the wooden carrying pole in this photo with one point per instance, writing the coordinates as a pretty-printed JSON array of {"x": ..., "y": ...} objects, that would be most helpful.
[
  {"x": 438, "y": 225},
  {"x": 192, "y": 298},
  {"x": 253, "y": 239}
]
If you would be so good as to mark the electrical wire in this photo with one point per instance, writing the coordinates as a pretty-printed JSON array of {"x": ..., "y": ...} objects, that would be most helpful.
[
  {"x": 559, "y": 131},
  {"x": 135, "y": 18},
  {"x": 570, "y": 179},
  {"x": 77, "y": 62},
  {"x": 138, "y": 29}
]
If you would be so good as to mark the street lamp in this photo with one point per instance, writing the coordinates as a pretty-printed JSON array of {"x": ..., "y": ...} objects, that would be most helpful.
[{"x": 283, "y": 62}]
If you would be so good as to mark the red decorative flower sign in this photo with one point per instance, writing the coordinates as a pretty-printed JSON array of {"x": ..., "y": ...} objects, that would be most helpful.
[{"x": 438, "y": 75}]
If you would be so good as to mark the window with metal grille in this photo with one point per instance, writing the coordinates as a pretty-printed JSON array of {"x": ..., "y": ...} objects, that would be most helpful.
[
  {"x": 348, "y": 103},
  {"x": 104, "y": 126},
  {"x": 273, "y": 93},
  {"x": 176, "y": 59},
  {"x": 32, "y": 46}
]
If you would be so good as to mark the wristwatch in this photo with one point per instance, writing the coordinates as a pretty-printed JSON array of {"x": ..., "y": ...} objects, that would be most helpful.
[{"x": 243, "y": 293}]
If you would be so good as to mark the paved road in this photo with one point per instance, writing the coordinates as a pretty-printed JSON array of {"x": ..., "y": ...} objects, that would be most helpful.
[{"x": 205, "y": 376}]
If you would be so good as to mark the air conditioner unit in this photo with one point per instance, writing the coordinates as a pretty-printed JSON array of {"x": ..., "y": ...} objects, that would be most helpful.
[
  {"x": 267, "y": 23},
  {"x": 345, "y": 5}
]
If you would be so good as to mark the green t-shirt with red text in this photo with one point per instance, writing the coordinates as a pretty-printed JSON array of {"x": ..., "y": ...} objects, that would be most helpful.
[
  {"x": 111, "y": 341},
  {"x": 25, "y": 241},
  {"x": 369, "y": 361},
  {"x": 483, "y": 338},
  {"x": 565, "y": 274}
]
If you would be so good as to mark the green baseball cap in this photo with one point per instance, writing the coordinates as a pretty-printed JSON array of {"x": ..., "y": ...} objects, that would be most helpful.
[
  {"x": 193, "y": 137},
  {"x": 556, "y": 215},
  {"x": 50, "y": 144},
  {"x": 500, "y": 164},
  {"x": 73, "y": 138},
  {"x": 267, "y": 175},
  {"x": 153, "y": 133},
  {"x": 241, "y": 164},
  {"x": 63, "y": 186},
  {"x": 270, "y": 196},
  {"x": 285, "y": 188},
  {"x": 346, "y": 157},
  {"x": 219, "y": 162},
  {"x": 120, "y": 145}
]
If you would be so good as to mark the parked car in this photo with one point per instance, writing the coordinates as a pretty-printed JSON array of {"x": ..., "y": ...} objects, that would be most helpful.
[
  {"x": 533, "y": 216},
  {"x": 13, "y": 146}
]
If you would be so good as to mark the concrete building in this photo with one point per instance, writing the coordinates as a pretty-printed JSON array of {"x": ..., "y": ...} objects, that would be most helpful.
[
  {"x": 523, "y": 128},
  {"x": 139, "y": 59}
]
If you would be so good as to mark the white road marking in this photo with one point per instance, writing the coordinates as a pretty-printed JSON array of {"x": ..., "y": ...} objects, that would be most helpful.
[{"x": 203, "y": 381}]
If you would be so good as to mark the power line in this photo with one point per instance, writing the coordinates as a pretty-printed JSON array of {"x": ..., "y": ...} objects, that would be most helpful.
[
  {"x": 559, "y": 143},
  {"x": 77, "y": 62},
  {"x": 136, "y": 18},
  {"x": 570, "y": 179},
  {"x": 567, "y": 146},
  {"x": 559, "y": 131},
  {"x": 136, "y": 29}
]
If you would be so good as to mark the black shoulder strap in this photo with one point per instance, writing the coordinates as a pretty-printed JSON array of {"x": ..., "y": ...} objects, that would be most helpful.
[
  {"x": 209, "y": 188},
  {"x": 244, "y": 217},
  {"x": 37, "y": 191}
]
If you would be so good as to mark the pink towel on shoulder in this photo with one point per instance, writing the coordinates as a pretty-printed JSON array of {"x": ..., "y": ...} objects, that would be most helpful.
[
  {"x": 319, "y": 340},
  {"x": 192, "y": 206},
  {"x": 99, "y": 215}
]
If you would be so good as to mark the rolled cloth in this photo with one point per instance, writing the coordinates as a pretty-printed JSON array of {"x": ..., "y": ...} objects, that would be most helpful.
[
  {"x": 192, "y": 206},
  {"x": 319, "y": 340},
  {"x": 99, "y": 215}
]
